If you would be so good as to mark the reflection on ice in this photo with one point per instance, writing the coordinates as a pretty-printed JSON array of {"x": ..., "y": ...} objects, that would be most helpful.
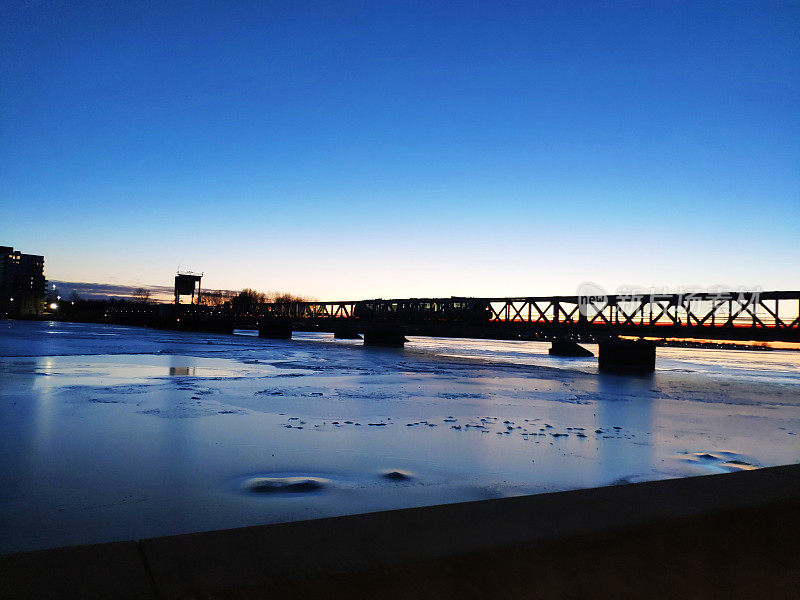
[{"x": 182, "y": 371}]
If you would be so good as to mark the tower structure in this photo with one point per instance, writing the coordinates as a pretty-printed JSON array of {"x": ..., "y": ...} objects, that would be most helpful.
[{"x": 186, "y": 284}]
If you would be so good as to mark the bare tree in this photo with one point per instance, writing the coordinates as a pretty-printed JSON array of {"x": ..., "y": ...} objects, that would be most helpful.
[
  {"x": 141, "y": 295},
  {"x": 286, "y": 297},
  {"x": 248, "y": 299},
  {"x": 216, "y": 297}
]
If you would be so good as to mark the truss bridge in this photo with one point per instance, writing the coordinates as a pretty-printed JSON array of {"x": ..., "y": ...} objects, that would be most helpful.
[{"x": 626, "y": 327}]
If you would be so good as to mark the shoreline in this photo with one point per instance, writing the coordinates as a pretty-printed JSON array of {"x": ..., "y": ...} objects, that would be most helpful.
[{"x": 685, "y": 535}]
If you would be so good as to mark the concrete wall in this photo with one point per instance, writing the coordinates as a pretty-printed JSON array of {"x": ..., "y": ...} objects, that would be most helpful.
[{"x": 721, "y": 536}]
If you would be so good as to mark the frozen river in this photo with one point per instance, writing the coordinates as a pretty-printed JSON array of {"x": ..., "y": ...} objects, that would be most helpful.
[{"x": 112, "y": 433}]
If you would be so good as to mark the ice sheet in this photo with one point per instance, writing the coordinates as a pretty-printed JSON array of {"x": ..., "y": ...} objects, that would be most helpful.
[{"x": 111, "y": 433}]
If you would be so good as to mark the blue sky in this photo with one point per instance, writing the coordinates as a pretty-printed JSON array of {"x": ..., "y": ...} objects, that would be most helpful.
[{"x": 386, "y": 149}]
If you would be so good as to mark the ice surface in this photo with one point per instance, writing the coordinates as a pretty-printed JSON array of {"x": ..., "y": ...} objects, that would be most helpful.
[{"x": 111, "y": 433}]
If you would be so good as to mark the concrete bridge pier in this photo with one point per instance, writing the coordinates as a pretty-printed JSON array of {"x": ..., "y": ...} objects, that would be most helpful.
[
  {"x": 561, "y": 347},
  {"x": 275, "y": 330},
  {"x": 627, "y": 356},
  {"x": 385, "y": 334},
  {"x": 344, "y": 332}
]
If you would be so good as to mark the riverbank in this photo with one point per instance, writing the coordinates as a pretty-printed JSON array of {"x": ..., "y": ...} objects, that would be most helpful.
[{"x": 732, "y": 536}]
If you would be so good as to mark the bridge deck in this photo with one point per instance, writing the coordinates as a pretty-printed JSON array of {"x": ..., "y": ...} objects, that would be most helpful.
[{"x": 765, "y": 316}]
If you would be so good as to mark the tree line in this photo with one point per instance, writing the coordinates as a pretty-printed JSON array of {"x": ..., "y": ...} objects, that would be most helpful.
[{"x": 245, "y": 299}]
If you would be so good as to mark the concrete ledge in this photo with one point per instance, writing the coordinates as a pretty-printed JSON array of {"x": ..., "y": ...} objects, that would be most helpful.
[
  {"x": 734, "y": 535},
  {"x": 114, "y": 570}
]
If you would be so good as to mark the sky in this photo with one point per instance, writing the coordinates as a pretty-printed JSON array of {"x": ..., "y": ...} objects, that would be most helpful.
[{"x": 347, "y": 150}]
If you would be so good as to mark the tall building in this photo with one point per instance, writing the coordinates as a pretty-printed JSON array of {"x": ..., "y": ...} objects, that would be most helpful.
[{"x": 22, "y": 283}]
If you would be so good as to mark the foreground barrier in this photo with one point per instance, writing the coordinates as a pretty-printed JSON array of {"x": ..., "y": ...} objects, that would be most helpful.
[{"x": 720, "y": 536}]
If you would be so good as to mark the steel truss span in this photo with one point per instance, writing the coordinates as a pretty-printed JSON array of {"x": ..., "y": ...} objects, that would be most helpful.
[
  {"x": 766, "y": 316},
  {"x": 760, "y": 316}
]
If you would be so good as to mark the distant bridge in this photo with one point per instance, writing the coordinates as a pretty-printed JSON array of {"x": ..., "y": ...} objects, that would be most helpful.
[
  {"x": 563, "y": 320},
  {"x": 765, "y": 316}
]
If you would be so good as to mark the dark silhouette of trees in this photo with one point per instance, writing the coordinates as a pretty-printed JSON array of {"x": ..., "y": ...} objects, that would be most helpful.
[
  {"x": 286, "y": 297},
  {"x": 216, "y": 297},
  {"x": 248, "y": 299},
  {"x": 141, "y": 295}
]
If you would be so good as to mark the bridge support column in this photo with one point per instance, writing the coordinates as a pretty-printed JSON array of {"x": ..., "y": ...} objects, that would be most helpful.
[
  {"x": 275, "y": 330},
  {"x": 345, "y": 333},
  {"x": 219, "y": 326},
  {"x": 385, "y": 335},
  {"x": 627, "y": 356},
  {"x": 568, "y": 348}
]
